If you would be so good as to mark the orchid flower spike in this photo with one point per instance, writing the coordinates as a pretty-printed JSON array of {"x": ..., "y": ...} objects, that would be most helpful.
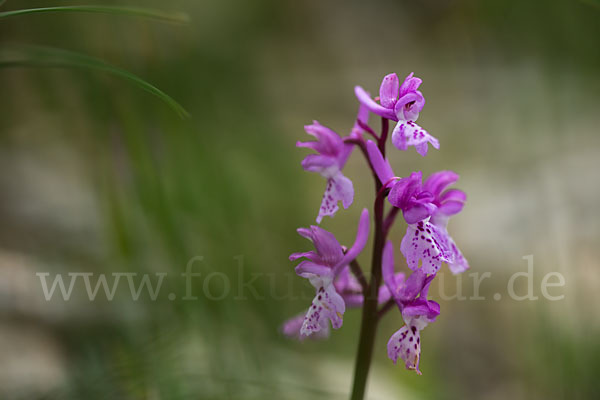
[{"x": 401, "y": 103}]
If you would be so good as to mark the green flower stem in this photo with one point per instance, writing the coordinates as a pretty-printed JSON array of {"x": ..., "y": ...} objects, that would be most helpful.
[{"x": 368, "y": 326}]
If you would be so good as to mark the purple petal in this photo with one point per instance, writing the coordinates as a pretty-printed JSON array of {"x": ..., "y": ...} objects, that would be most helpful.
[
  {"x": 291, "y": 327},
  {"x": 387, "y": 269},
  {"x": 353, "y": 300},
  {"x": 339, "y": 188},
  {"x": 410, "y": 84},
  {"x": 362, "y": 234},
  {"x": 406, "y": 344},
  {"x": 404, "y": 189},
  {"x": 411, "y": 101},
  {"x": 349, "y": 288},
  {"x": 415, "y": 309},
  {"x": 309, "y": 269},
  {"x": 363, "y": 117},
  {"x": 306, "y": 232},
  {"x": 356, "y": 133},
  {"x": 451, "y": 202},
  {"x": 451, "y": 207},
  {"x": 409, "y": 106},
  {"x": 421, "y": 312},
  {"x": 424, "y": 241},
  {"x": 375, "y": 108},
  {"x": 383, "y": 295},
  {"x": 418, "y": 212},
  {"x": 329, "y": 142},
  {"x": 344, "y": 154},
  {"x": 453, "y": 195},
  {"x": 311, "y": 255},
  {"x": 434, "y": 309},
  {"x": 310, "y": 145},
  {"x": 388, "y": 92},
  {"x": 318, "y": 163},
  {"x": 329, "y": 250},
  {"x": 327, "y": 246},
  {"x": 438, "y": 181},
  {"x": 412, "y": 113},
  {"x": 380, "y": 165},
  {"x": 413, "y": 286},
  {"x": 426, "y": 285},
  {"x": 343, "y": 280}
]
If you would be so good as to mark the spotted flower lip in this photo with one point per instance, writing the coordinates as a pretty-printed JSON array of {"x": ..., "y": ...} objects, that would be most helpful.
[
  {"x": 428, "y": 244},
  {"x": 408, "y": 133},
  {"x": 401, "y": 103},
  {"x": 321, "y": 267}
]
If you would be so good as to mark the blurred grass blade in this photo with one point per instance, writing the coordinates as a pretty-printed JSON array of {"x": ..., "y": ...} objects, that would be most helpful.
[
  {"x": 37, "y": 56},
  {"x": 118, "y": 10}
]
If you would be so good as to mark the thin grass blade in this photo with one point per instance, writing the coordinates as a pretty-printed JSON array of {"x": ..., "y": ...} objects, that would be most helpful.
[
  {"x": 38, "y": 56},
  {"x": 165, "y": 16}
]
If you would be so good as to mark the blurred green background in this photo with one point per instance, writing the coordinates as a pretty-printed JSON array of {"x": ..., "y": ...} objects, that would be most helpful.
[{"x": 99, "y": 176}]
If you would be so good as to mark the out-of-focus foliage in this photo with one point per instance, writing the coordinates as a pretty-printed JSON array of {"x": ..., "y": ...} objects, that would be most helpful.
[{"x": 98, "y": 176}]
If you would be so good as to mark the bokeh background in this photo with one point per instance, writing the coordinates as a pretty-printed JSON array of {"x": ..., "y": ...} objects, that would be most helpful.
[{"x": 99, "y": 176}]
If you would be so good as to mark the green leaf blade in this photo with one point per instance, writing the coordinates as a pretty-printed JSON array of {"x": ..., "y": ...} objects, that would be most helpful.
[
  {"x": 38, "y": 56},
  {"x": 173, "y": 17}
]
